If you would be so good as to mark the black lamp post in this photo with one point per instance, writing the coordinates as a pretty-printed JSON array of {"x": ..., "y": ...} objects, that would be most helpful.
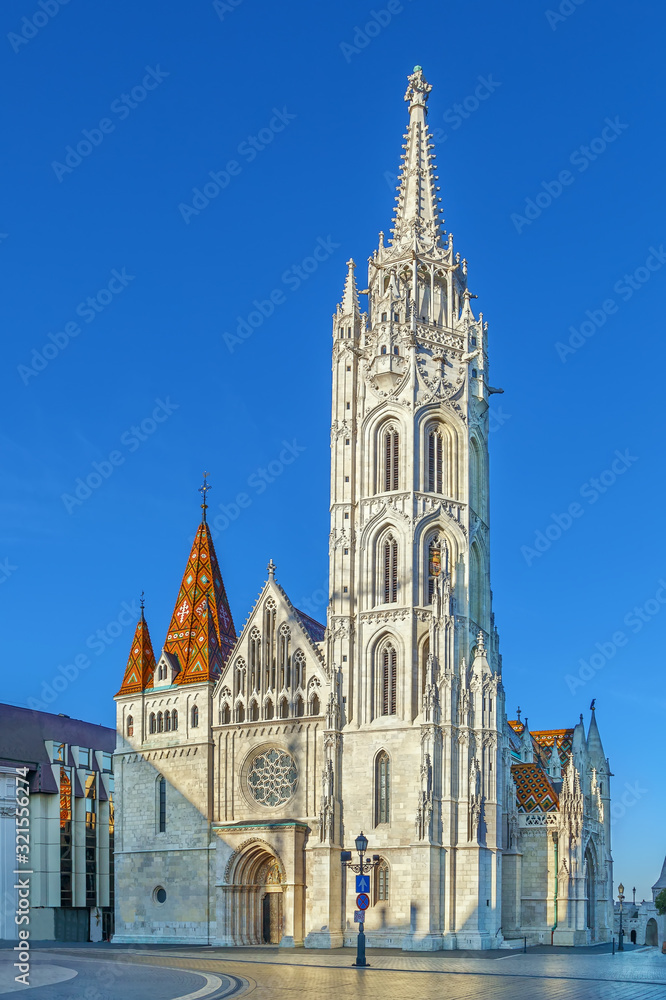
[
  {"x": 620, "y": 896},
  {"x": 362, "y": 868}
]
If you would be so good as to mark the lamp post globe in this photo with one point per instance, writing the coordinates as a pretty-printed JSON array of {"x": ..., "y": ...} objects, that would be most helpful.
[{"x": 361, "y": 843}]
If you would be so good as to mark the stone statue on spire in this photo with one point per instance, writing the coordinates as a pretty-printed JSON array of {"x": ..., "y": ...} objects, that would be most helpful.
[{"x": 418, "y": 89}]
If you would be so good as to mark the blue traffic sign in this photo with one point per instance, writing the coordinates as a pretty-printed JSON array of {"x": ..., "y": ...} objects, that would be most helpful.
[
  {"x": 363, "y": 883},
  {"x": 362, "y": 901}
]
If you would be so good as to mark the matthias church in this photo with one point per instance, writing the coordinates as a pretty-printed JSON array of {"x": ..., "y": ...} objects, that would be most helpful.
[{"x": 247, "y": 761}]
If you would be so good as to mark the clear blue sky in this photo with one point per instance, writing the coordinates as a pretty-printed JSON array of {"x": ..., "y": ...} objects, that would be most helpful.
[{"x": 157, "y": 333}]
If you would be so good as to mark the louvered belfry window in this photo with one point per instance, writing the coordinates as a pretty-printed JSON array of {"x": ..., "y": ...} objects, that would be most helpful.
[
  {"x": 389, "y": 680},
  {"x": 383, "y": 788},
  {"x": 390, "y": 570},
  {"x": 435, "y": 467},
  {"x": 391, "y": 459}
]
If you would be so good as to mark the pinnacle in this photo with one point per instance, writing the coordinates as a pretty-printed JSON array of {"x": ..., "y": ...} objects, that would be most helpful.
[{"x": 141, "y": 662}]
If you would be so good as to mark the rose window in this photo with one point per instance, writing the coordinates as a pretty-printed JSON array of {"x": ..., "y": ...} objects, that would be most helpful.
[{"x": 272, "y": 777}]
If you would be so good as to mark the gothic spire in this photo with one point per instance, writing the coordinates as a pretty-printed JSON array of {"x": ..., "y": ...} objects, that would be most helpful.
[
  {"x": 141, "y": 663},
  {"x": 594, "y": 745},
  {"x": 349, "y": 305},
  {"x": 417, "y": 212},
  {"x": 202, "y": 600}
]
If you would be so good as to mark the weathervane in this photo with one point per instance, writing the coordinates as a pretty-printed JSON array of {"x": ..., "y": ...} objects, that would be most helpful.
[{"x": 204, "y": 490}]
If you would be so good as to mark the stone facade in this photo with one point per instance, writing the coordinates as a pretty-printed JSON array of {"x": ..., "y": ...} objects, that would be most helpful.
[{"x": 392, "y": 718}]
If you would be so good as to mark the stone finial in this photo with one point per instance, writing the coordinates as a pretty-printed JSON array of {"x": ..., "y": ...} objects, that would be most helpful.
[
  {"x": 271, "y": 570},
  {"x": 418, "y": 89}
]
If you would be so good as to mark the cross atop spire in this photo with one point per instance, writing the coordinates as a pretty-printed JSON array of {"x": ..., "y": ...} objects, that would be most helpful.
[
  {"x": 204, "y": 491},
  {"x": 417, "y": 211}
]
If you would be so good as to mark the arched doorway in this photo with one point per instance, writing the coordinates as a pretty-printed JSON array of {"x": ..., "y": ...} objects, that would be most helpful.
[
  {"x": 651, "y": 933},
  {"x": 633, "y": 937},
  {"x": 590, "y": 893},
  {"x": 254, "y": 894}
]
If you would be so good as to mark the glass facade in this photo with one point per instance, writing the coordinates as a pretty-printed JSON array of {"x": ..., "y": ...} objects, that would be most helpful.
[{"x": 65, "y": 837}]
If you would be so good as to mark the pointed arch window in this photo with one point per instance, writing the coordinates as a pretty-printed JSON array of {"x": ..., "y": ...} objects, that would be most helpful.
[
  {"x": 130, "y": 726},
  {"x": 435, "y": 462},
  {"x": 152, "y": 725},
  {"x": 314, "y": 705},
  {"x": 391, "y": 444},
  {"x": 284, "y": 708},
  {"x": 255, "y": 660},
  {"x": 389, "y": 680},
  {"x": 284, "y": 656},
  {"x": 254, "y": 711},
  {"x": 299, "y": 669},
  {"x": 299, "y": 708},
  {"x": 425, "y": 657},
  {"x": 269, "y": 645},
  {"x": 225, "y": 715},
  {"x": 268, "y": 709},
  {"x": 240, "y": 712},
  {"x": 160, "y": 722},
  {"x": 382, "y": 882},
  {"x": 167, "y": 722},
  {"x": 174, "y": 719},
  {"x": 382, "y": 788},
  {"x": 194, "y": 717},
  {"x": 390, "y": 569},
  {"x": 240, "y": 673}
]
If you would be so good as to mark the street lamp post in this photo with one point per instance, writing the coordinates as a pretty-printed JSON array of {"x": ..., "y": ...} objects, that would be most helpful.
[
  {"x": 620, "y": 896},
  {"x": 362, "y": 868}
]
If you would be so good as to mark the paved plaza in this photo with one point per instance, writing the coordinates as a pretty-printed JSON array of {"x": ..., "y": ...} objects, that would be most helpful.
[{"x": 85, "y": 972}]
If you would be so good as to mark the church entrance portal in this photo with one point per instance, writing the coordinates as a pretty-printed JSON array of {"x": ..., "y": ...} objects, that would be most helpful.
[{"x": 254, "y": 908}]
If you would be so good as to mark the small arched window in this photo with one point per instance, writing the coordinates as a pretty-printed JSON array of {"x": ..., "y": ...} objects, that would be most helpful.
[
  {"x": 391, "y": 459},
  {"x": 239, "y": 675},
  {"x": 382, "y": 882},
  {"x": 161, "y": 805},
  {"x": 435, "y": 462},
  {"x": 390, "y": 570},
  {"x": 382, "y": 788},
  {"x": 160, "y": 722},
  {"x": 152, "y": 725},
  {"x": 174, "y": 719},
  {"x": 254, "y": 711},
  {"x": 314, "y": 705},
  {"x": 268, "y": 709},
  {"x": 389, "y": 680},
  {"x": 299, "y": 708},
  {"x": 167, "y": 722},
  {"x": 284, "y": 708},
  {"x": 240, "y": 712},
  {"x": 225, "y": 715},
  {"x": 195, "y": 716},
  {"x": 130, "y": 725},
  {"x": 383, "y": 348}
]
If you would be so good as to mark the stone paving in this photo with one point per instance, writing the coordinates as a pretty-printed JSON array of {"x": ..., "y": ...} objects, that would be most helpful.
[{"x": 281, "y": 974}]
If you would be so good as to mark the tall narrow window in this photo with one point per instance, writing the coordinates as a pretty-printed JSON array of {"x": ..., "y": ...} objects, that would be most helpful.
[
  {"x": 383, "y": 788},
  {"x": 389, "y": 668},
  {"x": 167, "y": 722},
  {"x": 255, "y": 660},
  {"x": 162, "y": 804},
  {"x": 239, "y": 674},
  {"x": 434, "y": 565},
  {"x": 174, "y": 719},
  {"x": 152, "y": 727},
  {"x": 435, "y": 463},
  {"x": 130, "y": 726},
  {"x": 225, "y": 715},
  {"x": 382, "y": 889},
  {"x": 391, "y": 458},
  {"x": 195, "y": 716},
  {"x": 160, "y": 722},
  {"x": 390, "y": 556}
]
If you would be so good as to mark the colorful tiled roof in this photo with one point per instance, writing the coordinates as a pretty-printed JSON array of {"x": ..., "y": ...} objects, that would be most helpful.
[
  {"x": 545, "y": 738},
  {"x": 201, "y": 645},
  {"x": 534, "y": 791},
  {"x": 141, "y": 663}
]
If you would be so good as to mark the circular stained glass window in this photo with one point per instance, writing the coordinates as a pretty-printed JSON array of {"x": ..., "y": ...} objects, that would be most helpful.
[{"x": 272, "y": 777}]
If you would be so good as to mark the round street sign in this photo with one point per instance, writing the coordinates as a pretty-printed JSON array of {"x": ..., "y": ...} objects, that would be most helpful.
[{"x": 363, "y": 901}]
